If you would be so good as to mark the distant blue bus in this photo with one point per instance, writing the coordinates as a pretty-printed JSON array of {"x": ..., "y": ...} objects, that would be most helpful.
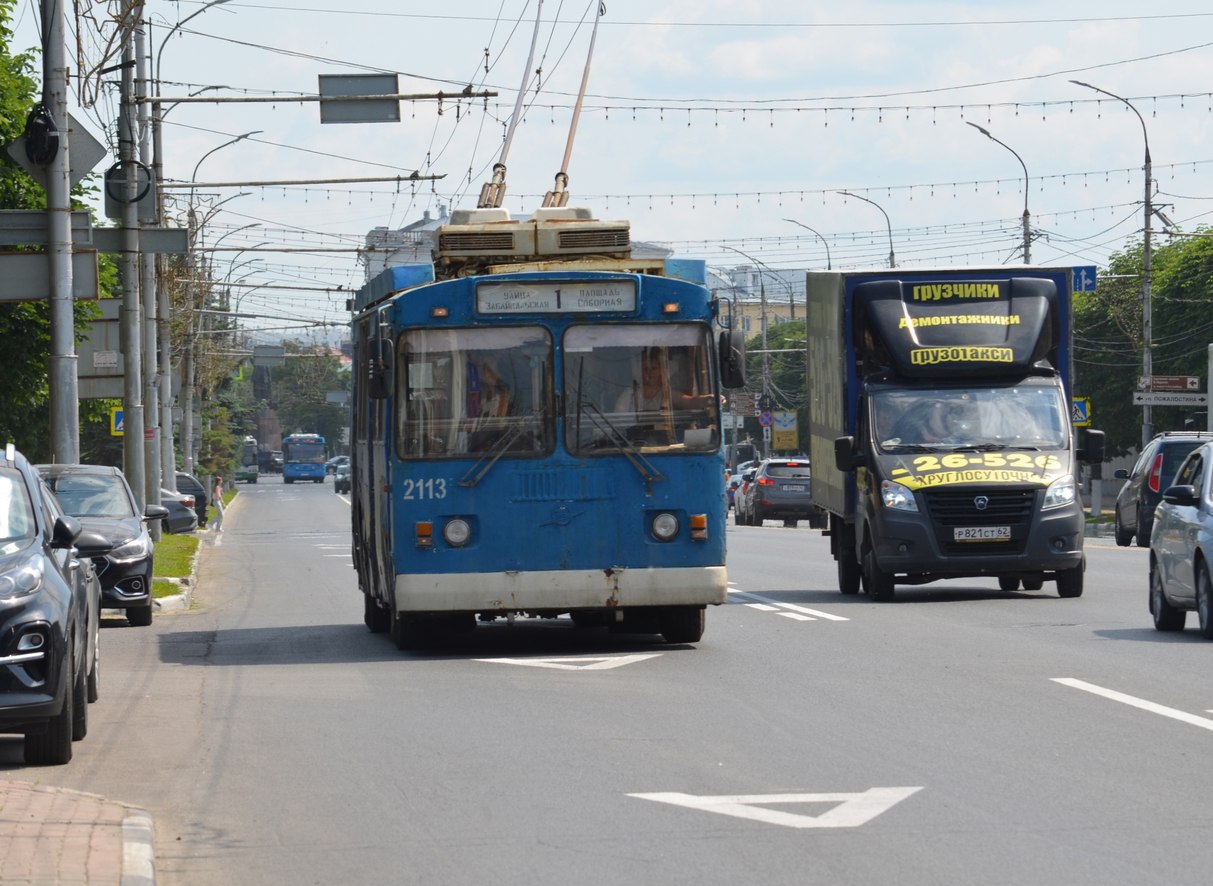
[
  {"x": 303, "y": 457},
  {"x": 540, "y": 443}
]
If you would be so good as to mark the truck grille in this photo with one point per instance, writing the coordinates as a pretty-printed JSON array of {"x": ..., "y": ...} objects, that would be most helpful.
[{"x": 1004, "y": 507}]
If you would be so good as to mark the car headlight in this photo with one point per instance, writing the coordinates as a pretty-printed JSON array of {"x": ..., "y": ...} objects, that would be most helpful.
[
  {"x": 457, "y": 532},
  {"x": 897, "y": 497},
  {"x": 1061, "y": 492},
  {"x": 127, "y": 552},
  {"x": 665, "y": 526},
  {"x": 23, "y": 580}
]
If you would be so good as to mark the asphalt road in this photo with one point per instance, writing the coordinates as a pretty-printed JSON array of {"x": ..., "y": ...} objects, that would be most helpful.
[{"x": 957, "y": 735}]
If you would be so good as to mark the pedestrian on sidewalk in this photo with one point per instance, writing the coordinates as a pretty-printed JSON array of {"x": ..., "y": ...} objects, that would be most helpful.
[{"x": 217, "y": 500}]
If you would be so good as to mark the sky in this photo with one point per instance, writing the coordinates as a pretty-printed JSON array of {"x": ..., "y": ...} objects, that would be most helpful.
[{"x": 724, "y": 129}]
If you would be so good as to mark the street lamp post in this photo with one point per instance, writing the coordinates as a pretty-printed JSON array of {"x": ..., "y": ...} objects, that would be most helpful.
[
  {"x": 1027, "y": 230},
  {"x": 1147, "y": 358},
  {"x": 824, "y": 241},
  {"x": 888, "y": 224}
]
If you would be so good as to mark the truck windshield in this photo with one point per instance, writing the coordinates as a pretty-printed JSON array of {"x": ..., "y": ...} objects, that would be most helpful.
[{"x": 993, "y": 417}]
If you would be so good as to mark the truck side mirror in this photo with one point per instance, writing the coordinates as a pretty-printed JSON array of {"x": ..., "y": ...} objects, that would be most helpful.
[
  {"x": 731, "y": 347},
  {"x": 1092, "y": 451},
  {"x": 379, "y": 369},
  {"x": 846, "y": 457}
]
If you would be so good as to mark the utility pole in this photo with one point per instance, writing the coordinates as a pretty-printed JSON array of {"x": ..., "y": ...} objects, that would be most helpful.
[
  {"x": 64, "y": 386},
  {"x": 131, "y": 327}
]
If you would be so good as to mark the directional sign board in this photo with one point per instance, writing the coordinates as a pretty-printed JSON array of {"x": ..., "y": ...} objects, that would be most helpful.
[
  {"x": 1169, "y": 383},
  {"x": 1169, "y": 398}
]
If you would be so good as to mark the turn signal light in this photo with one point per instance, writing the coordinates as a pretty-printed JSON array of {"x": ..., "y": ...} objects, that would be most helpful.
[
  {"x": 425, "y": 535},
  {"x": 699, "y": 527}
]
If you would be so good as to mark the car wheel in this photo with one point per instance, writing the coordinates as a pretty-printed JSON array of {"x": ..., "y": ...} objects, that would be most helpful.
[
  {"x": 1033, "y": 584},
  {"x": 1069, "y": 582},
  {"x": 737, "y": 521},
  {"x": 94, "y": 672},
  {"x": 1204, "y": 601},
  {"x": 54, "y": 746},
  {"x": 1145, "y": 522},
  {"x": 79, "y": 705},
  {"x": 1166, "y": 616},
  {"x": 1008, "y": 583},
  {"x": 877, "y": 583},
  {"x": 791, "y": 524},
  {"x": 1124, "y": 537},
  {"x": 139, "y": 616},
  {"x": 683, "y": 624}
]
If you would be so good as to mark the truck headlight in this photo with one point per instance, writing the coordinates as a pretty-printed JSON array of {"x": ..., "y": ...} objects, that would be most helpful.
[
  {"x": 1061, "y": 492},
  {"x": 897, "y": 497}
]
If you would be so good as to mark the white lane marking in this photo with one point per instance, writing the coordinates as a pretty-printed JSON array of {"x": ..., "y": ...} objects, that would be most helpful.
[
  {"x": 796, "y": 616},
  {"x": 575, "y": 663},
  {"x": 1133, "y": 701},
  {"x": 852, "y": 810},
  {"x": 762, "y": 607},
  {"x": 803, "y": 610}
]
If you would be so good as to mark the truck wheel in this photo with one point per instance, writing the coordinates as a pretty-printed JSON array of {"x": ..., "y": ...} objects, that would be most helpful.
[
  {"x": 791, "y": 524},
  {"x": 1166, "y": 616},
  {"x": 683, "y": 624},
  {"x": 878, "y": 584},
  {"x": 1069, "y": 583},
  {"x": 1008, "y": 583},
  {"x": 819, "y": 520},
  {"x": 849, "y": 577},
  {"x": 1123, "y": 536}
]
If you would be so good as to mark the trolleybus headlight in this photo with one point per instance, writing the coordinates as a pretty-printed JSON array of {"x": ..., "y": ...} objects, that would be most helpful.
[
  {"x": 665, "y": 526},
  {"x": 456, "y": 532},
  {"x": 897, "y": 497},
  {"x": 1061, "y": 492}
]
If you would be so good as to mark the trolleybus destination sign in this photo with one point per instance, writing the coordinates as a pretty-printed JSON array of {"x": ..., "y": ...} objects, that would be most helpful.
[{"x": 551, "y": 297}]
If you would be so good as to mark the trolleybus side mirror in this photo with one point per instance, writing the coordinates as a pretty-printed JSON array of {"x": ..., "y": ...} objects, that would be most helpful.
[
  {"x": 846, "y": 457},
  {"x": 1092, "y": 450},
  {"x": 379, "y": 369},
  {"x": 732, "y": 358}
]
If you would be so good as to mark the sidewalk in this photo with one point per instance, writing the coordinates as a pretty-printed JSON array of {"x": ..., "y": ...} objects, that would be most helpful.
[{"x": 51, "y": 835}]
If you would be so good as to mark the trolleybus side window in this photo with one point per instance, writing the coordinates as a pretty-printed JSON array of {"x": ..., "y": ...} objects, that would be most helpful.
[
  {"x": 640, "y": 385},
  {"x": 475, "y": 392}
]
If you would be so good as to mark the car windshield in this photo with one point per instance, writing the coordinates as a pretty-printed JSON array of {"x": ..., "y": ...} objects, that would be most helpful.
[
  {"x": 92, "y": 495},
  {"x": 16, "y": 511}
]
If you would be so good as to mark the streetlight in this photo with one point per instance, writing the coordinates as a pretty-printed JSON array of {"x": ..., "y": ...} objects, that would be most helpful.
[
  {"x": 1147, "y": 361},
  {"x": 824, "y": 242},
  {"x": 1027, "y": 231},
  {"x": 888, "y": 224}
]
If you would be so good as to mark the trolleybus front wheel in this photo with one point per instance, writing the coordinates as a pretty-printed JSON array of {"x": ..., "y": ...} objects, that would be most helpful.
[{"x": 683, "y": 624}]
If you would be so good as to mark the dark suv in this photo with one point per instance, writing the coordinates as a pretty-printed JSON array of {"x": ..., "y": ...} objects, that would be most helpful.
[
  {"x": 1153, "y": 472},
  {"x": 49, "y": 616},
  {"x": 780, "y": 491},
  {"x": 190, "y": 485}
]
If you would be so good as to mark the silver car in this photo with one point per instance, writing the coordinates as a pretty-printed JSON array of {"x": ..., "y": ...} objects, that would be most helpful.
[{"x": 1181, "y": 544}]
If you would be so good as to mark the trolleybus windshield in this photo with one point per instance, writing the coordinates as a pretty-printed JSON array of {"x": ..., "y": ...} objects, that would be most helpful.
[
  {"x": 640, "y": 385},
  {"x": 475, "y": 392}
]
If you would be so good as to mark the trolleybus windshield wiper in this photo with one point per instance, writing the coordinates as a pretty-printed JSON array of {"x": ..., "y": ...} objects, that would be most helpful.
[
  {"x": 639, "y": 462},
  {"x": 490, "y": 458}
]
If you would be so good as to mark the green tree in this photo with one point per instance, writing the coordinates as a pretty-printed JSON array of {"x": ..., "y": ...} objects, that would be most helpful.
[
  {"x": 299, "y": 393},
  {"x": 786, "y": 367}
]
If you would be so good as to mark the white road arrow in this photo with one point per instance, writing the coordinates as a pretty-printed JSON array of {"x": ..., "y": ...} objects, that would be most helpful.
[
  {"x": 851, "y": 811},
  {"x": 575, "y": 663}
]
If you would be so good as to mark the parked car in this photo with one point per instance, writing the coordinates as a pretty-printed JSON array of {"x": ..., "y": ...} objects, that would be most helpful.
[
  {"x": 1151, "y": 474},
  {"x": 50, "y": 602},
  {"x": 99, "y": 496},
  {"x": 780, "y": 490},
  {"x": 734, "y": 481},
  {"x": 1181, "y": 545},
  {"x": 181, "y": 514},
  {"x": 341, "y": 479},
  {"x": 276, "y": 461},
  {"x": 740, "y": 516},
  {"x": 330, "y": 466},
  {"x": 190, "y": 485}
]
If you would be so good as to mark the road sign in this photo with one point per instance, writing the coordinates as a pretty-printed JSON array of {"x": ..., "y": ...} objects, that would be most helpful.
[
  {"x": 766, "y": 419},
  {"x": 1169, "y": 398},
  {"x": 1082, "y": 278},
  {"x": 25, "y": 276},
  {"x": 1169, "y": 383},
  {"x": 117, "y": 426},
  {"x": 1080, "y": 412}
]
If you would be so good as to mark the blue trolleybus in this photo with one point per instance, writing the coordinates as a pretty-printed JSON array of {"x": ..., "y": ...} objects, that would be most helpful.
[
  {"x": 303, "y": 457},
  {"x": 536, "y": 432}
]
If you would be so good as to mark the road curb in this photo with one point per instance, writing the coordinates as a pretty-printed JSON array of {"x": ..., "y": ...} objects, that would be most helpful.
[{"x": 138, "y": 850}]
